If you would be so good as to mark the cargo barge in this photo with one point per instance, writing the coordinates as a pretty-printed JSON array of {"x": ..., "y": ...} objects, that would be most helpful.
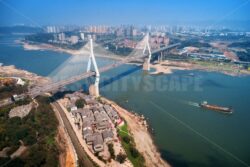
[{"x": 225, "y": 110}]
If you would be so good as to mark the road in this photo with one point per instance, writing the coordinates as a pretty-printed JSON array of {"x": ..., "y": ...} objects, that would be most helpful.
[{"x": 82, "y": 156}]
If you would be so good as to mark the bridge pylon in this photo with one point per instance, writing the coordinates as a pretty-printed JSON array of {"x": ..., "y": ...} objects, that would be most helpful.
[
  {"x": 93, "y": 88},
  {"x": 146, "y": 64}
]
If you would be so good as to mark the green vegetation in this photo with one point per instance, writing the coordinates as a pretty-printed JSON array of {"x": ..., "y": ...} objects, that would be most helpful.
[
  {"x": 128, "y": 144},
  {"x": 111, "y": 150},
  {"x": 99, "y": 99},
  {"x": 244, "y": 56},
  {"x": 194, "y": 43},
  {"x": 80, "y": 103},
  {"x": 76, "y": 46},
  {"x": 245, "y": 44},
  {"x": 8, "y": 90},
  {"x": 37, "y": 131},
  {"x": 123, "y": 51},
  {"x": 47, "y": 37},
  {"x": 99, "y": 157},
  {"x": 4, "y": 111},
  {"x": 134, "y": 152},
  {"x": 126, "y": 139},
  {"x": 121, "y": 158},
  {"x": 217, "y": 66},
  {"x": 40, "y": 37}
]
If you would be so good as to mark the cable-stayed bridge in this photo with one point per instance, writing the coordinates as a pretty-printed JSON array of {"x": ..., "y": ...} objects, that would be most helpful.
[{"x": 139, "y": 53}]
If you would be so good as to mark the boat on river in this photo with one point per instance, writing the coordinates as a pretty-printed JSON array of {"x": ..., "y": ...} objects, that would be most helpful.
[{"x": 226, "y": 110}]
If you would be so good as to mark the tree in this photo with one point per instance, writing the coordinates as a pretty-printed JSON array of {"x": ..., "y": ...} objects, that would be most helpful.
[
  {"x": 134, "y": 152},
  {"x": 126, "y": 139},
  {"x": 121, "y": 158},
  {"x": 111, "y": 151},
  {"x": 36, "y": 157},
  {"x": 79, "y": 103}
]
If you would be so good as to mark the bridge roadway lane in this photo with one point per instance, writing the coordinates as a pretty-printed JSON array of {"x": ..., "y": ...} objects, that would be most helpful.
[{"x": 82, "y": 156}]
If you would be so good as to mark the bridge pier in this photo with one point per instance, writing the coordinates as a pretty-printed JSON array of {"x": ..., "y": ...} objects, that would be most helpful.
[
  {"x": 146, "y": 65},
  {"x": 94, "y": 90},
  {"x": 160, "y": 58}
]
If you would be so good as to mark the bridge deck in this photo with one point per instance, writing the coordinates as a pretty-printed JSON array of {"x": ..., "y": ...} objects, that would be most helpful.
[{"x": 54, "y": 86}]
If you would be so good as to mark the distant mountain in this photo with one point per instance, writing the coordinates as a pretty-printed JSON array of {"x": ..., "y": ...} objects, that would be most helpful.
[{"x": 19, "y": 29}]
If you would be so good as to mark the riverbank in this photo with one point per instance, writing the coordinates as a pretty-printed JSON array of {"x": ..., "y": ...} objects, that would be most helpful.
[
  {"x": 168, "y": 66},
  {"x": 82, "y": 51},
  {"x": 12, "y": 71},
  {"x": 141, "y": 135},
  {"x": 43, "y": 46},
  {"x": 143, "y": 140}
]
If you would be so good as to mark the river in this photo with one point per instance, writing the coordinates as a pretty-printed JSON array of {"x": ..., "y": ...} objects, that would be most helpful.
[{"x": 185, "y": 134}]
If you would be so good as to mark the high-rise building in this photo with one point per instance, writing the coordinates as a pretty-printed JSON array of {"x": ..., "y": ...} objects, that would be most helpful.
[
  {"x": 51, "y": 29},
  {"x": 73, "y": 39},
  {"x": 61, "y": 37},
  {"x": 128, "y": 31},
  {"x": 134, "y": 32},
  {"x": 82, "y": 35},
  {"x": 55, "y": 37},
  {"x": 119, "y": 32}
]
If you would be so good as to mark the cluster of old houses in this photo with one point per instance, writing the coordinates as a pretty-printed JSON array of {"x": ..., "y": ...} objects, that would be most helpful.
[{"x": 96, "y": 120}]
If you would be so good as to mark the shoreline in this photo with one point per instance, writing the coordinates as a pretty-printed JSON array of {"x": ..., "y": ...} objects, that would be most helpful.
[
  {"x": 42, "y": 46},
  {"x": 161, "y": 68},
  {"x": 143, "y": 138},
  {"x": 34, "y": 79},
  {"x": 168, "y": 67}
]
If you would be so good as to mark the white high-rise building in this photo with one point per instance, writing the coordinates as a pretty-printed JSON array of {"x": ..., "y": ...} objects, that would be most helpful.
[
  {"x": 82, "y": 35},
  {"x": 61, "y": 37},
  {"x": 51, "y": 29}
]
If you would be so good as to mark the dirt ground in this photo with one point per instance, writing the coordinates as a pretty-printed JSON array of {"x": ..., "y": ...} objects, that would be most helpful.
[
  {"x": 20, "y": 151},
  {"x": 231, "y": 55},
  {"x": 65, "y": 157},
  {"x": 223, "y": 47},
  {"x": 164, "y": 69}
]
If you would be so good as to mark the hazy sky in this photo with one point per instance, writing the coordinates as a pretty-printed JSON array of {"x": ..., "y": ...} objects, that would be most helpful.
[{"x": 82, "y": 12}]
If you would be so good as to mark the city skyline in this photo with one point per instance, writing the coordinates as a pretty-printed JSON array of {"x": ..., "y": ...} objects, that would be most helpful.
[{"x": 111, "y": 12}]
